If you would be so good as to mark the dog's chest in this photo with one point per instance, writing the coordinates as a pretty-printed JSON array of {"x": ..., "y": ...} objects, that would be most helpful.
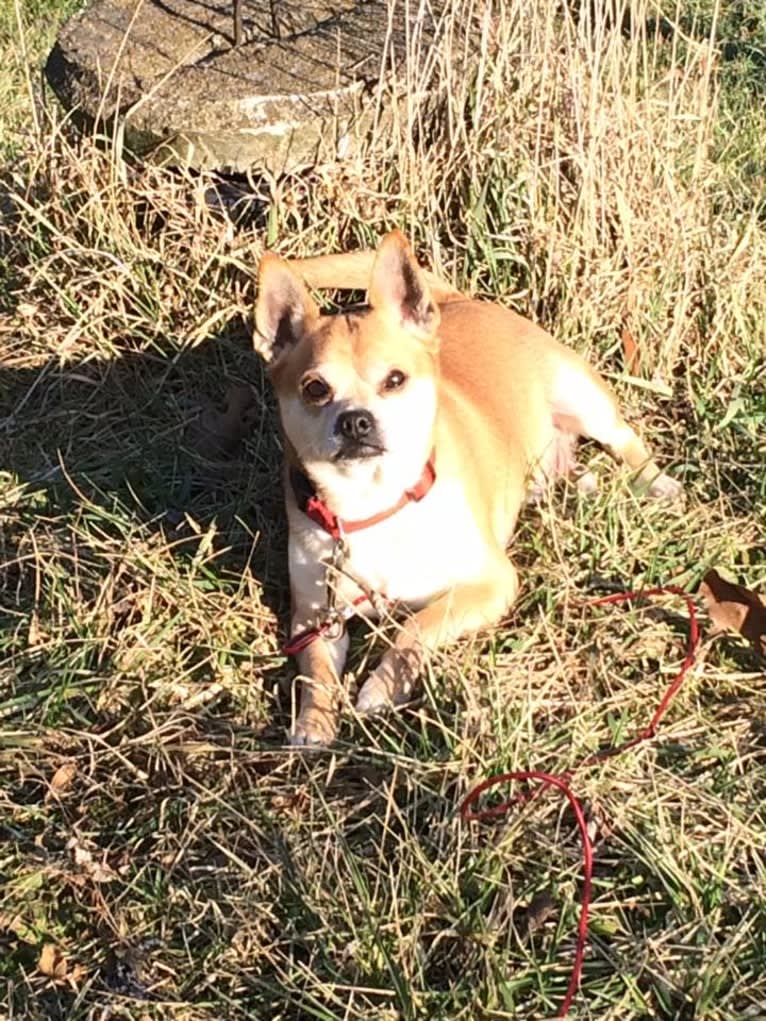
[{"x": 423, "y": 550}]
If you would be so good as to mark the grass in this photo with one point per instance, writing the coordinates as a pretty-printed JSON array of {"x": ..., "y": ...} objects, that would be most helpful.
[{"x": 163, "y": 855}]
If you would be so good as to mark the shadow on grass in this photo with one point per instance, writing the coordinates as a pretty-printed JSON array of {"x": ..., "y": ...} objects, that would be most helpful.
[
  {"x": 186, "y": 830},
  {"x": 106, "y": 465}
]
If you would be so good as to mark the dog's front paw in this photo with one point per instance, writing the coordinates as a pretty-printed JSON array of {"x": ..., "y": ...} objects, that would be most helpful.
[
  {"x": 587, "y": 483},
  {"x": 314, "y": 728},
  {"x": 382, "y": 691},
  {"x": 664, "y": 488}
]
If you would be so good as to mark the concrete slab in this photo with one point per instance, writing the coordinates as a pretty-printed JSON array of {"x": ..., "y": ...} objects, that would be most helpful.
[{"x": 297, "y": 91}]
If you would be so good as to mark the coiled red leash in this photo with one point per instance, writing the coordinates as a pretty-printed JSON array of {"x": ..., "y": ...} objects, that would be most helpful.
[{"x": 561, "y": 781}]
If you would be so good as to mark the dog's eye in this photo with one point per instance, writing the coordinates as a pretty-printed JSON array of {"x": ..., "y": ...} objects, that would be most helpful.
[
  {"x": 315, "y": 390},
  {"x": 395, "y": 380}
]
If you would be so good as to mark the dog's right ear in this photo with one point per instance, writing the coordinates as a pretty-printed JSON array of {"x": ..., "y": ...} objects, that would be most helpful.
[{"x": 284, "y": 310}]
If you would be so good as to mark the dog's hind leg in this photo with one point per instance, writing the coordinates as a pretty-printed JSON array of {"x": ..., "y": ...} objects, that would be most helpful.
[
  {"x": 352, "y": 271},
  {"x": 584, "y": 404}
]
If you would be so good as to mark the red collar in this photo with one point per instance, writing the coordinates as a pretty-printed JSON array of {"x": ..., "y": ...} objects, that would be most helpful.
[{"x": 314, "y": 508}]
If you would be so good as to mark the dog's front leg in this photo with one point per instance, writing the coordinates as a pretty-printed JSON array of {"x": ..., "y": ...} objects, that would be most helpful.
[
  {"x": 320, "y": 664},
  {"x": 319, "y": 668},
  {"x": 464, "y": 609}
]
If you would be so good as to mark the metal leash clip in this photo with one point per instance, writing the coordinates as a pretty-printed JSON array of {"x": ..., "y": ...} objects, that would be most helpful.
[
  {"x": 378, "y": 602},
  {"x": 331, "y": 624},
  {"x": 337, "y": 565},
  {"x": 331, "y": 620}
]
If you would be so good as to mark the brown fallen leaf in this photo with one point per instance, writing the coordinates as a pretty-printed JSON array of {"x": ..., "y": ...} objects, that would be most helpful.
[
  {"x": 62, "y": 779},
  {"x": 35, "y": 635},
  {"x": 542, "y": 907},
  {"x": 219, "y": 431},
  {"x": 52, "y": 961},
  {"x": 734, "y": 607},
  {"x": 97, "y": 871},
  {"x": 630, "y": 352}
]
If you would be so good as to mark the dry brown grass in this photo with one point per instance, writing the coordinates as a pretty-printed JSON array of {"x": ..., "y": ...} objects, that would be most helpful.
[{"x": 157, "y": 835}]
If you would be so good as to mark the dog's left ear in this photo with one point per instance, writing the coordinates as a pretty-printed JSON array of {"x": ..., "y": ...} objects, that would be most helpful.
[
  {"x": 284, "y": 310},
  {"x": 398, "y": 289}
]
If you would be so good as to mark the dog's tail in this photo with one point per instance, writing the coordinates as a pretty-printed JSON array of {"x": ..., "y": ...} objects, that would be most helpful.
[{"x": 351, "y": 271}]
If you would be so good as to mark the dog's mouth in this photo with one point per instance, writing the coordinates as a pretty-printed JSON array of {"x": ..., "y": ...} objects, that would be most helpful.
[{"x": 358, "y": 450}]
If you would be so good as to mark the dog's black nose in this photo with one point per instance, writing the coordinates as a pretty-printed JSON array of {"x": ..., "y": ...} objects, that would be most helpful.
[{"x": 356, "y": 425}]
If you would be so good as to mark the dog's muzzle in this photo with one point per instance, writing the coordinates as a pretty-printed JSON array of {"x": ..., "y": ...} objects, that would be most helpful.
[{"x": 358, "y": 433}]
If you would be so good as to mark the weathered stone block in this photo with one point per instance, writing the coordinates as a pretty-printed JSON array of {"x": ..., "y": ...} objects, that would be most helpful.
[{"x": 298, "y": 90}]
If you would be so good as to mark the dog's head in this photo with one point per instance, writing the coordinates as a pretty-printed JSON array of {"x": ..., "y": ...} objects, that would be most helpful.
[{"x": 357, "y": 391}]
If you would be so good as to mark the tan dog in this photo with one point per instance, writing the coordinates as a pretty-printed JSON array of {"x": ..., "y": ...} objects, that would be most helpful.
[{"x": 413, "y": 432}]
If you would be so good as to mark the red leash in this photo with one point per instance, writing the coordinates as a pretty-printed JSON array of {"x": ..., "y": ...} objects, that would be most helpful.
[{"x": 561, "y": 780}]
